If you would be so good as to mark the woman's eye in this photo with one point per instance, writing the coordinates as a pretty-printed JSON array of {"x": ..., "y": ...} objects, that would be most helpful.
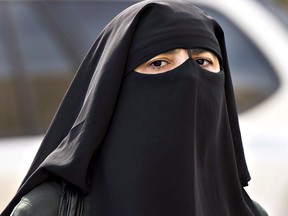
[
  {"x": 158, "y": 64},
  {"x": 207, "y": 61},
  {"x": 208, "y": 64},
  {"x": 203, "y": 62}
]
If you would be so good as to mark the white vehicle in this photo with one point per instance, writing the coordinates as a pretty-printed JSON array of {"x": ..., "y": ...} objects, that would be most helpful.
[{"x": 257, "y": 43}]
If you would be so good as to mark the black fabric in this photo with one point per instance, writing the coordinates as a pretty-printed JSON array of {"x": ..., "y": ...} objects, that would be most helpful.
[
  {"x": 71, "y": 201},
  {"x": 164, "y": 144},
  {"x": 167, "y": 149}
]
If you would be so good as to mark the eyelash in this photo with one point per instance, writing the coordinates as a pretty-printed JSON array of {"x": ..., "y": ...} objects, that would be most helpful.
[
  {"x": 162, "y": 63},
  {"x": 204, "y": 60},
  {"x": 158, "y": 61}
]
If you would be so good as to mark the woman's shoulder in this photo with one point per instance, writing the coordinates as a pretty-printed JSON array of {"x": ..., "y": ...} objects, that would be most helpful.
[
  {"x": 260, "y": 209},
  {"x": 45, "y": 199},
  {"x": 42, "y": 200}
]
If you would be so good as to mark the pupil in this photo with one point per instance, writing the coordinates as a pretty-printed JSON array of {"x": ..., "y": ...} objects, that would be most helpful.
[
  {"x": 200, "y": 61},
  {"x": 157, "y": 63}
]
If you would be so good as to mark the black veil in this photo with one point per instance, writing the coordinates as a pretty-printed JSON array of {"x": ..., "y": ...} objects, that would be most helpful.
[{"x": 79, "y": 128}]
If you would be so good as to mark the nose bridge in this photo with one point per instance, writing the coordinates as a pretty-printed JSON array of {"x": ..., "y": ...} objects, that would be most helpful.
[{"x": 189, "y": 51}]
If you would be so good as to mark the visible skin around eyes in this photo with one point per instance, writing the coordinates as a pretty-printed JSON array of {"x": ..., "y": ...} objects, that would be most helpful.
[{"x": 169, "y": 60}]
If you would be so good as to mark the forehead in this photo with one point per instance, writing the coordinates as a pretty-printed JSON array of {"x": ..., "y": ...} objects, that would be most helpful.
[{"x": 164, "y": 27}]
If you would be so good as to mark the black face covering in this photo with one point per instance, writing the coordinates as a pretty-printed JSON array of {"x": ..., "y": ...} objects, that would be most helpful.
[
  {"x": 167, "y": 147},
  {"x": 149, "y": 145},
  {"x": 161, "y": 155}
]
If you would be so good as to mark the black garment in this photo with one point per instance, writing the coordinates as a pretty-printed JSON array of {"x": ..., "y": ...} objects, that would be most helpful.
[
  {"x": 166, "y": 150},
  {"x": 164, "y": 144}
]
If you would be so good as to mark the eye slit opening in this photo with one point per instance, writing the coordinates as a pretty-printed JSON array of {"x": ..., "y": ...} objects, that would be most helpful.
[{"x": 167, "y": 61}]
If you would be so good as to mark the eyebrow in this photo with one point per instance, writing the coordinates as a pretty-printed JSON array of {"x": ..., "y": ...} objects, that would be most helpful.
[
  {"x": 198, "y": 51},
  {"x": 171, "y": 51},
  {"x": 194, "y": 51}
]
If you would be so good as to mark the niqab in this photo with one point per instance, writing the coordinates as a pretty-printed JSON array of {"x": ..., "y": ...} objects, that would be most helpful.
[{"x": 149, "y": 144}]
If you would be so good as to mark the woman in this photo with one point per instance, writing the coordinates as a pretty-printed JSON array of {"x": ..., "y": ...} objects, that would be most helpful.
[{"x": 148, "y": 126}]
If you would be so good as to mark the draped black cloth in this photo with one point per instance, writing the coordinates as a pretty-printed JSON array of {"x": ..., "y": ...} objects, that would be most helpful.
[{"x": 149, "y": 144}]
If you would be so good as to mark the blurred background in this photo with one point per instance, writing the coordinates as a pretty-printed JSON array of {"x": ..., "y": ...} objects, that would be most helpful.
[{"x": 43, "y": 42}]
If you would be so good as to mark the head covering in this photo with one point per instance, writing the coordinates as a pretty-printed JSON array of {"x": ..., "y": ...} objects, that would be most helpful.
[{"x": 140, "y": 144}]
